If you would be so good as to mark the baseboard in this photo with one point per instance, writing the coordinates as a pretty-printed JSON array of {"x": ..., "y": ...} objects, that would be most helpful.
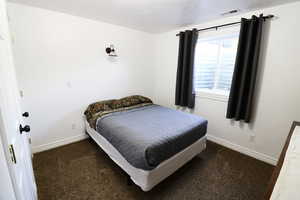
[
  {"x": 51, "y": 145},
  {"x": 223, "y": 142},
  {"x": 243, "y": 150}
]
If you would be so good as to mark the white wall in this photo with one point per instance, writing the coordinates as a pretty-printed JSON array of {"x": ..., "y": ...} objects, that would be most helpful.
[
  {"x": 278, "y": 97},
  {"x": 62, "y": 67}
]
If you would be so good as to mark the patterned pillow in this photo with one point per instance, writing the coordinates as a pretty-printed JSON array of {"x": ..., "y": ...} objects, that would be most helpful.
[
  {"x": 115, "y": 104},
  {"x": 134, "y": 100},
  {"x": 98, "y": 107}
]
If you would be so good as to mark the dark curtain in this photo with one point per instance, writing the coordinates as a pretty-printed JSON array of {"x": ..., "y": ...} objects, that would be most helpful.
[
  {"x": 185, "y": 95},
  {"x": 246, "y": 64}
]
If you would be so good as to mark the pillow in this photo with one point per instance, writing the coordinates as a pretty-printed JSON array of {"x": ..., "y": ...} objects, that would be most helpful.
[
  {"x": 95, "y": 110},
  {"x": 98, "y": 107},
  {"x": 134, "y": 100},
  {"x": 115, "y": 104}
]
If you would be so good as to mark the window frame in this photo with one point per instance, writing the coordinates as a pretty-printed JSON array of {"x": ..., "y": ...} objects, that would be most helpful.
[{"x": 217, "y": 95}]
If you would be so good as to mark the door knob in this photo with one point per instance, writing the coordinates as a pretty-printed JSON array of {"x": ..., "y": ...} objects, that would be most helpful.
[
  {"x": 25, "y": 128},
  {"x": 25, "y": 114}
]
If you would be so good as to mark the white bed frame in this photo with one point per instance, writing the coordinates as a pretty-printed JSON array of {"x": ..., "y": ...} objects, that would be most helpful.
[{"x": 146, "y": 180}]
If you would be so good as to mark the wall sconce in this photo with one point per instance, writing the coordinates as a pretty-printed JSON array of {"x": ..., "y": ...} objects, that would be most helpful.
[{"x": 111, "y": 51}]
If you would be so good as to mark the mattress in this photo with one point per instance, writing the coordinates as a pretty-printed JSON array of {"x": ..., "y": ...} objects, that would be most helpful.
[
  {"x": 287, "y": 184},
  {"x": 148, "y": 135},
  {"x": 147, "y": 179}
]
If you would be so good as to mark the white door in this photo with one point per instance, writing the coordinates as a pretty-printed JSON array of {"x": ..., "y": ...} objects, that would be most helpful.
[
  {"x": 6, "y": 186},
  {"x": 19, "y": 157}
]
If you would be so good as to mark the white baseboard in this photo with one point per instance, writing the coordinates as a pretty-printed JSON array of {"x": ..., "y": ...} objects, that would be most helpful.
[
  {"x": 51, "y": 145},
  {"x": 243, "y": 150},
  {"x": 223, "y": 142}
]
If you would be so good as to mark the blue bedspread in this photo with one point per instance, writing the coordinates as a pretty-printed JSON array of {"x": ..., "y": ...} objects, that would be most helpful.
[{"x": 148, "y": 135}]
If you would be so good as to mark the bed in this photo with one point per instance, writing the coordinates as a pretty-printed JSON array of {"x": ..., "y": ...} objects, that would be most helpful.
[{"x": 149, "y": 142}]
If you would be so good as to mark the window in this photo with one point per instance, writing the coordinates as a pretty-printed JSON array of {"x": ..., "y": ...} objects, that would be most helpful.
[{"x": 214, "y": 64}]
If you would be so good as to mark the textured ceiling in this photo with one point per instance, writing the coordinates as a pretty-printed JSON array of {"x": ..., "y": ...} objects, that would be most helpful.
[{"x": 153, "y": 16}]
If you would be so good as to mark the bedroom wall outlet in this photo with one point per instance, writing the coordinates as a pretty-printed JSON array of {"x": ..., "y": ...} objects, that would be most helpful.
[{"x": 73, "y": 126}]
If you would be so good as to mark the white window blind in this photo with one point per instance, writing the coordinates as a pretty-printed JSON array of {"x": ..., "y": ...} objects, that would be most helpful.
[{"x": 214, "y": 64}]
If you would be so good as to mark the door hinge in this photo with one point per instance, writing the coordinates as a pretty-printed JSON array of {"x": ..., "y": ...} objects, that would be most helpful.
[{"x": 12, "y": 154}]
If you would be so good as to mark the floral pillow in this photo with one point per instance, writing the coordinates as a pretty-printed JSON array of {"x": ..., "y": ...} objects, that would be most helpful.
[{"x": 112, "y": 104}]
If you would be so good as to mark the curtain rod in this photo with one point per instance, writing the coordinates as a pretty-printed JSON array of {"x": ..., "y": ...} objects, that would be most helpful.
[{"x": 229, "y": 24}]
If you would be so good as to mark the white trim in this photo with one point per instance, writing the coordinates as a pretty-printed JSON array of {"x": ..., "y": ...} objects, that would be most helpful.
[
  {"x": 57, "y": 143},
  {"x": 212, "y": 96},
  {"x": 223, "y": 142},
  {"x": 243, "y": 150}
]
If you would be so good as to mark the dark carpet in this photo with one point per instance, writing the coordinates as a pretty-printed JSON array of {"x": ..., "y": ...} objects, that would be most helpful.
[{"x": 83, "y": 171}]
